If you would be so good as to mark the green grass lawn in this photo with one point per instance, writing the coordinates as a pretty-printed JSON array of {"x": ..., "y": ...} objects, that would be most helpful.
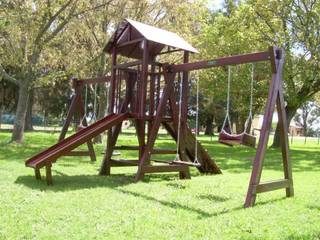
[{"x": 83, "y": 205}]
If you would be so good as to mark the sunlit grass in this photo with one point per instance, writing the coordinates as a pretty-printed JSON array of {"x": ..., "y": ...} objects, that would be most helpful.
[{"x": 83, "y": 205}]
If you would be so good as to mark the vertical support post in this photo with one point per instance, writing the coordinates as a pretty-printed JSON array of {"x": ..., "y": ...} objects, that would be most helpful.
[
  {"x": 142, "y": 94},
  {"x": 184, "y": 108},
  {"x": 112, "y": 139},
  {"x": 158, "y": 80},
  {"x": 37, "y": 173},
  {"x": 105, "y": 167},
  {"x": 151, "y": 96},
  {"x": 113, "y": 80},
  {"x": 49, "y": 174},
  {"x": 157, "y": 121},
  {"x": 284, "y": 141},
  {"x": 71, "y": 110}
]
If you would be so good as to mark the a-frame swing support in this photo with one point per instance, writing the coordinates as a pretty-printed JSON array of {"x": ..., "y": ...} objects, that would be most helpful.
[{"x": 276, "y": 58}]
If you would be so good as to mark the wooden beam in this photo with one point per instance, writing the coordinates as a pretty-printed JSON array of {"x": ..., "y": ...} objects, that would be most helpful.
[
  {"x": 271, "y": 185},
  {"x": 164, "y": 168},
  {"x": 130, "y": 42},
  {"x": 224, "y": 61},
  {"x": 123, "y": 163}
]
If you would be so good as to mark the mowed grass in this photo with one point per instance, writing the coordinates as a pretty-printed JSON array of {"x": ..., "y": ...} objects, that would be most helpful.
[{"x": 83, "y": 205}]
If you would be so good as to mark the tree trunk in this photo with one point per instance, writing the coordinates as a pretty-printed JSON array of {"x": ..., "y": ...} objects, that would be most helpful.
[
  {"x": 290, "y": 112},
  {"x": 209, "y": 125},
  {"x": 28, "y": 121},
  {"x": 18, "y": 128}
]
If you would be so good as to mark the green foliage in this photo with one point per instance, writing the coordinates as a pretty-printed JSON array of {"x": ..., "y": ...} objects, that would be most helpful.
[{"x": 82, "y": 205}]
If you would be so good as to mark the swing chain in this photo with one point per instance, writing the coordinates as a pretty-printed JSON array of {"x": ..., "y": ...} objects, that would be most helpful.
[
  {"x": 94, "y": 116},
  {"x": 227, "y": 117},
  {"x": 85, "y": 105},
  {"x": 250, "y": 116}
]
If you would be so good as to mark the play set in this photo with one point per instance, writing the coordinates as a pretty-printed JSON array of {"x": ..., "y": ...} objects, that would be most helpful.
[{"x": 152, "y": 94}]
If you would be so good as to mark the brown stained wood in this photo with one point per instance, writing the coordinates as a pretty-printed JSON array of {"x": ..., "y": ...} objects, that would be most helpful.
[
  {"x": 128, "y": 64},
  {"x": 154, "y": 151},
  {"x": 184, "y": 174},
  {"x": 123, "y": 163},
  {"x": 37, "y": 173},
  {"x": 284, "y": 142},
  {"x": 73, "y": 141},
  {"x": 208, "y": 165},
  {"x": 49, "y": 174},
  {"x": 70, "y": 114},
  {"x": 164, "y": 168},
  {"x": 77, "y": 107},
  {"x": 272, "y": 185},
  {"x": 263, "y": 141},
  {"x": 155, "y": 127},
  {"x": 112, "y": 88},
  {"x": 163, "y": 151},
  {"x": 113, "y": 134},
  {"x": 224, "y": 61},
  {"x": 275, "y": 96}
]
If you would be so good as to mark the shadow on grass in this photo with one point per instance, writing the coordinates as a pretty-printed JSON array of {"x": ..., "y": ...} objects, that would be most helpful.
[
  {"x": 314, "y": 207},
  {"x": 64, "y": 182},
  {"x": 201, "y": 213},
  {"x": 214, "y": 198}
]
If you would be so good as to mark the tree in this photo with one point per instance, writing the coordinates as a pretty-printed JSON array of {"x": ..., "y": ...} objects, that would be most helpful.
[
  {"x": 229, "y": 33},
  {"x": 293, "y": 25},
  {"x": 29, "y": 36}
]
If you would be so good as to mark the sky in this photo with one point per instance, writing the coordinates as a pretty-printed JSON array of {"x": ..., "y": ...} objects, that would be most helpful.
[{"x": 215, "y": 4}]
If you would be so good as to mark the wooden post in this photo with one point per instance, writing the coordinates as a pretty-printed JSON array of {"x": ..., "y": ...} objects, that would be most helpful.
[
  {"x": 37, "y": 173},
  {"x": 155, "y": 128},
  {"x": 114, "y": 133},
  {"x": 142, "y": 94},
  {"x": 184, "y": 108},
  {"x": 49, "y": 174},
  {"x": 275, "y": 96}
]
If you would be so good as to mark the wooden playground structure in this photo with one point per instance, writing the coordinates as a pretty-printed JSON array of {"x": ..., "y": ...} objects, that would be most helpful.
[{"x": 145, "y": 91}]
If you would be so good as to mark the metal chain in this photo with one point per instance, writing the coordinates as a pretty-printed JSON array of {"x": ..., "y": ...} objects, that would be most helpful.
[
  {"x": 85, "y": 104},
  {"x": 251, "y": 100},
  {"x": 227, "y": 117},
  {"x": 94, "y": 117},
  {"x": 179, "y": 118}
]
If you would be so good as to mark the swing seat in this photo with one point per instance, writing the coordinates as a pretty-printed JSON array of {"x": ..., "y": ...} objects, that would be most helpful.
[
  {"x": 235, "y": 139},
  {"x": 190, "y": 164}
]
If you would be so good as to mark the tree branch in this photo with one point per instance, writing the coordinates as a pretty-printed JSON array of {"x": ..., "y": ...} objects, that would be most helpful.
[
  {"x": 7, "y": 77},
  {"x": 47, "y": 25}
]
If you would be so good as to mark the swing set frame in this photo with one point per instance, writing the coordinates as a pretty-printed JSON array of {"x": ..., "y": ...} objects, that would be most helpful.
[
  {"x": 275, "y": 99},
  {"x": 143, "y": 91}
]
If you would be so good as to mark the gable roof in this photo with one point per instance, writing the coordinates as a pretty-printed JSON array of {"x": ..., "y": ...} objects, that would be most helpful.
[{"x": 158, "y": 39}]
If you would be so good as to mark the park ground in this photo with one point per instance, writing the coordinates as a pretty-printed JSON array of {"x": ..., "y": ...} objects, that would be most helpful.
[{"x": 83, "y": 205}]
